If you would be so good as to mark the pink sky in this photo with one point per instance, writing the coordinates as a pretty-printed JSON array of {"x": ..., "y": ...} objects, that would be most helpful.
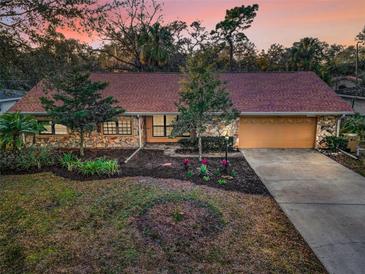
[{"x": 277, "y": 21}]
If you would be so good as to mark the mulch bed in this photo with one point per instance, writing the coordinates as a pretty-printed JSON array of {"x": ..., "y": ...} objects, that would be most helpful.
[
  {"x": 153, "y": 163},
  {"x": 345, "y": 160}
]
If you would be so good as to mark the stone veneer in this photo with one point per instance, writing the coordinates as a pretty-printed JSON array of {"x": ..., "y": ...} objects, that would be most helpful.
[
  {"x": 326, "y": 126},
  {"x": 93, "y": 140},
  {"x": 232, "y": 129}
]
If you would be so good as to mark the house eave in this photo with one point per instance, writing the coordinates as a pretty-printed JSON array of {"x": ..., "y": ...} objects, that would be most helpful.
[
  {"x": 10, "y": 99},
  {"x": 314, "y": 113}
]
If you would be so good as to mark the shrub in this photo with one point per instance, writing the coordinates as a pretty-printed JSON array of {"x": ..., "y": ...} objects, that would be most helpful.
[
  {"x": 334, "y": 143},
  {"x": 221, "y": 181},
  {"x": 206, "y": 178},
  {"x": 189, "y": 174},
  {"x": 209, "y": 143},
  {"x": 69, "y": 161},
  {"x": 98, "y": 167},
  {"x": 203, "y": 170},
  {"x": 27, "y": 159}
]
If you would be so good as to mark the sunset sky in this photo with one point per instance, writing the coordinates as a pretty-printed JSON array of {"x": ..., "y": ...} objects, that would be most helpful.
[{"x": 278, "y": 21}]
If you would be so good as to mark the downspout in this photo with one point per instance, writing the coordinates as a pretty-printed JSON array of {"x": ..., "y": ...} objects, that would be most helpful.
[
  {"x": 339, "y": 125},
  {"x": 140, "y": 145}
]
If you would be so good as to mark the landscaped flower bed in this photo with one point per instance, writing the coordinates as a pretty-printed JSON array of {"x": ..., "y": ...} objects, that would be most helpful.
[{"x": 234, "y": 174}]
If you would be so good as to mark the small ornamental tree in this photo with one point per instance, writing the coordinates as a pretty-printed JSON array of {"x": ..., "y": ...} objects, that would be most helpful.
[
  {"x": 203, "y": 100},
  {"x": 78, "y": 104}
]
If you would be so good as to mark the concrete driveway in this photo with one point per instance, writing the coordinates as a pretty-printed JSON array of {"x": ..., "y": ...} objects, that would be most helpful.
[{"x": 323, "y": 199}]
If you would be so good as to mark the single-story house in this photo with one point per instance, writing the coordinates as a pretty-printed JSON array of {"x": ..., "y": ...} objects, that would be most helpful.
[
  {"x": 8, "y": 97},
  {"x": 277, "y": 110}
]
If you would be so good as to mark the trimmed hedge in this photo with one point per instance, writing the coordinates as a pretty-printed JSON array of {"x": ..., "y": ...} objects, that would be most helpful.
[{"x": 209, "y": 143}]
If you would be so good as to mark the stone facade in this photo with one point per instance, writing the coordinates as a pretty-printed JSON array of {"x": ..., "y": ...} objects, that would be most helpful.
[
  {"x": 216, "y": 129},
  {"x": 95, "y": 139},
  {"x": 326, "y": 126}
]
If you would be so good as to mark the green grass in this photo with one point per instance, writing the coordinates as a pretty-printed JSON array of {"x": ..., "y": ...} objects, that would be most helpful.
[{"x": 50, "y": 224}]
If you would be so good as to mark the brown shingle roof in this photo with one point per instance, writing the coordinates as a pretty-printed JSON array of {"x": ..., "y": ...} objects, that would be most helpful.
[{"x": 301, "y": 92}]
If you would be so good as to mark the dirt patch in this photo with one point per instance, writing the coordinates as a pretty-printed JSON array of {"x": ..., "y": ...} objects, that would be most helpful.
[{"x": 176, "y": 225}]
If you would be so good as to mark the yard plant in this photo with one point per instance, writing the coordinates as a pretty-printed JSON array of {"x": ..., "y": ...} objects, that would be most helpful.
[
  {"x": 15, "y": 126},
  {"x": 78, "y": 104},
  {"x": 99, "y": 167},
  {"x": 203, "y": 100}
]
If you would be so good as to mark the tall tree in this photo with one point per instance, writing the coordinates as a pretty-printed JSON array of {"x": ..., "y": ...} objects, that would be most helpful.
[
  {"x": 203, "y": 100},
  {"x": 78, "y": 104},
  {"x": 229, "y": 32},
  {"x": 307, "y": 54},
  {"x": 139, "y": 39}
]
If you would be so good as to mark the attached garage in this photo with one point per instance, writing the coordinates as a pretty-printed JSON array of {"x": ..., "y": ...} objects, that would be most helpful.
[{"x": 277, "y": 132}]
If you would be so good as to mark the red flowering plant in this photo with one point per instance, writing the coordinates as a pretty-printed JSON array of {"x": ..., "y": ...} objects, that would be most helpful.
[
  {"x": 205, "y": 162},
  {"x": 225, "y": 164},
  {"x": 186, "y": 163}
]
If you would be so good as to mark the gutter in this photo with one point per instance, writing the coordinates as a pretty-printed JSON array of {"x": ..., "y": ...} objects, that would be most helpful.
[
  {"x": 10, "y": 99},
  {"x": 241, "y": 113}
]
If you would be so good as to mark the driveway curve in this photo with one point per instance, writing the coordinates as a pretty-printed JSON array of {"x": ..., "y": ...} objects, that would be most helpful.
[{"x": 323, "y": 199}]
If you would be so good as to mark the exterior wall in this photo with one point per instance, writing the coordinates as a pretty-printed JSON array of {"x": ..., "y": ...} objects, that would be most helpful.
[
  {"x": 95, "y": 139},
  {"x": 326, "y": 126}
]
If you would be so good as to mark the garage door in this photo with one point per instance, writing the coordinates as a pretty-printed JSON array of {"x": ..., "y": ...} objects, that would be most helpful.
[{"x": 277, "y": 132}]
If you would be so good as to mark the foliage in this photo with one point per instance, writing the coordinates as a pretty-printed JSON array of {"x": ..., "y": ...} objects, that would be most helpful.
[
  {"x": 234, "y": 173},
  {"x": 203, "y": 100},
  {"x": 221, "y": 181},
  {"x": 229, "y": 32},
  {"x": 98, "y": 167},
  {"x": 206, "y": 178},
  {"x": 69, "y": 161},
  {"x": 209, "y": 143},
  {"x": 203, "y": 170},
  {"x": 78, "y": 103},
  {"x": 13, "y": 126},
  {"x": 334, "y": 143},
  {"x": 27, "y": 159},
  {"x": 307, "y": 54},
  {"x": 177, "y": 215},
  {"x": 189, "y": 174},
  {"x": 354, "y": 124}
]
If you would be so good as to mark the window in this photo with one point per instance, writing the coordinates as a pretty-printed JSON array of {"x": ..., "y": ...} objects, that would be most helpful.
[
  {"x": 53, "y": 129},
  {"x": 60, "y": 129},
  {"x": 162, "y": 125},
  {"x": 122, "y": 127}
]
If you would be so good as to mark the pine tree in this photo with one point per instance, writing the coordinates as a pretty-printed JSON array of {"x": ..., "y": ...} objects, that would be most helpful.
[{"x": 78, "y": 104}]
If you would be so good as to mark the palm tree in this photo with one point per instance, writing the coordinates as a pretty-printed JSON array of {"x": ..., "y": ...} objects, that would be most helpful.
[
  {"x": 156, "y": 45},
  {"x": 307, "y": 53},
  {"x": 13, "y": 126}
]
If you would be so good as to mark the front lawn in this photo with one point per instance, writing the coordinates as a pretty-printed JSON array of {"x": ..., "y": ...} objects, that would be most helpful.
[{"x": 138, "y": 225}]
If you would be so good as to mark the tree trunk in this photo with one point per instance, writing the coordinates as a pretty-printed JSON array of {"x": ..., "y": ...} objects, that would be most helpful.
[
  {"x": 200, "y": 147},
  {"x": 82, "y": 143},
  {"x": 230, "y": 55}
]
